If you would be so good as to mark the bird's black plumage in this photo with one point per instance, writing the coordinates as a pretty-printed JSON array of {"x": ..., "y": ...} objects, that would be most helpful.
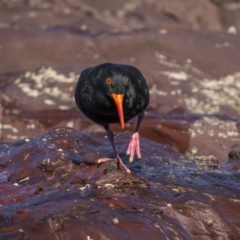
[
  {"x": 113, "y": 93},
  {"x": 93, "y": 94}
]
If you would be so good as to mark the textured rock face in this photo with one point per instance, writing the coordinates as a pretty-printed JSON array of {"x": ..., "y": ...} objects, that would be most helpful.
[
  {"x": 187, "y": 53},
  {"x": 186, "y": 185},
  {"x": 47, "y": 191}
]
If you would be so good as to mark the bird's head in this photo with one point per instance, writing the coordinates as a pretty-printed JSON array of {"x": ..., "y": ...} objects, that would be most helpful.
[{"x": 116, "y": 83}]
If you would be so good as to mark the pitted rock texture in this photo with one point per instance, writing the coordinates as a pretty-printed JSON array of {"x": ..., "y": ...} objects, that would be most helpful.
[
  {"x": 186, "y": 185},
  {"x": 187, "y": 52},
  {"x": 49, "y": 191}
]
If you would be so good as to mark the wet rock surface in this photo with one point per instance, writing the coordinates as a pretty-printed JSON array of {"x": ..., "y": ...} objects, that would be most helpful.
[
  {"x": 47, "y": 190},
  {"x": 186, "y": 185}
]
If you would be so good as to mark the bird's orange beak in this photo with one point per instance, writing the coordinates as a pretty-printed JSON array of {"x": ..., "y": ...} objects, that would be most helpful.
[{"x": 118, "y": 99}]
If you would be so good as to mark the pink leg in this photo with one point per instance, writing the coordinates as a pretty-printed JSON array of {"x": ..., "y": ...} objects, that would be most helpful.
[
  {"x": 134, "y": 146},
  {"x": 120, "y": 162}
]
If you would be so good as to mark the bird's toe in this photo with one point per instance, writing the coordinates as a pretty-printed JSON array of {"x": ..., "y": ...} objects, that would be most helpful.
[{"x": 134, "y": 147}]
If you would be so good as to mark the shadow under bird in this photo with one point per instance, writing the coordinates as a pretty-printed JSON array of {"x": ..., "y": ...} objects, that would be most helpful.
[{"x": 113, "y": 93}]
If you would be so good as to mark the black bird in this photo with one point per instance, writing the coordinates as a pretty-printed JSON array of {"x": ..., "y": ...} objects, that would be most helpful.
[{"x": 113, "y": 93}]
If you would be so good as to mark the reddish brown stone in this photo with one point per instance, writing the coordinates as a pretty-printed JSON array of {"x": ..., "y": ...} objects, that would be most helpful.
[
  {"x": 188, "y": 52},
  {"x": 44, "y": 194}
]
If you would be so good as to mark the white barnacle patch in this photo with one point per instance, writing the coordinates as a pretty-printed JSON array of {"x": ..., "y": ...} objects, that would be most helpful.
[
  {"x": 153, "y": 90},
  {"x": 222, "y": 135},
  {"x": 181, "y": 76},
  {"x": 7, "y": 126},
  {"x": 215, "y": 127},
  {"x": 30, "y": 126},
  {"x": 199, "y": 131},
  {"x": 192, "y": 133},
  {"x": 211, "y": 133},
  {"x": 48, "y": 84},
  {"x": 214, "y": 93},
  {"x": 63, "y": 107},
  {"x": 108, "y": 185},
  {"x": 49, "y": 102},
  {"x": 174, "y": 83},
  {"x": 12, "y": 137},
  {"x": 194, "y": 150},
  {"x": 70, "y": 124},
  {"x": 232, "y": 30},
  {"x": 17, "y": 81},
  {"x": 84, "y": 187},
  {"x": 27, "y": 74},
  {"x": 232, "y": 133},
  {"x": 160, "y": 56},
  {"x": 195, "y": 89},
  {"x": 51, "y": 73},
  {"x": 28, "y": 90}
]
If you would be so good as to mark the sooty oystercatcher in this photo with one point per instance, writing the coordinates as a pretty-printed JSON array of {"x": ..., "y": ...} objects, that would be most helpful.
[{"x": 113, "y": 93}]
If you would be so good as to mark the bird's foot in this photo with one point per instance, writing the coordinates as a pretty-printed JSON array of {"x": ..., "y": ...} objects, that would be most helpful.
[
  {"x": 134, "y": 146},
  {"x": 119, "y": 160},
  {"x": 101, "y": 160},
  {"x": 120, "y": 163}
]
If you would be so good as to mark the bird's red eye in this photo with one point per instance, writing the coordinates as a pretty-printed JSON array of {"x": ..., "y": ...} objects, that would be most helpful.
[{"x": 108, "y": 80}]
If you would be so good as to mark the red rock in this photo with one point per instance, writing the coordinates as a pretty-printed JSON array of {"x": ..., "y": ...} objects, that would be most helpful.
[
  {"x": 45, "y": 194},
  {"x": 188, "y": 51}
]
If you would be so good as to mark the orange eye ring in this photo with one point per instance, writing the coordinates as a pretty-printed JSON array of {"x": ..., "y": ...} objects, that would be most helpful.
[
  {"x": 108, "y": 81},
  {"x": 127, "y": 79}
]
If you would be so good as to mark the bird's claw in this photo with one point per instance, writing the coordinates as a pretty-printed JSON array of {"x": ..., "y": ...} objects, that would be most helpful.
[
  {"x": 120, "y": 162},
  {"x": 134, "y": 146},
  {"x": 101, "y": 160}
]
